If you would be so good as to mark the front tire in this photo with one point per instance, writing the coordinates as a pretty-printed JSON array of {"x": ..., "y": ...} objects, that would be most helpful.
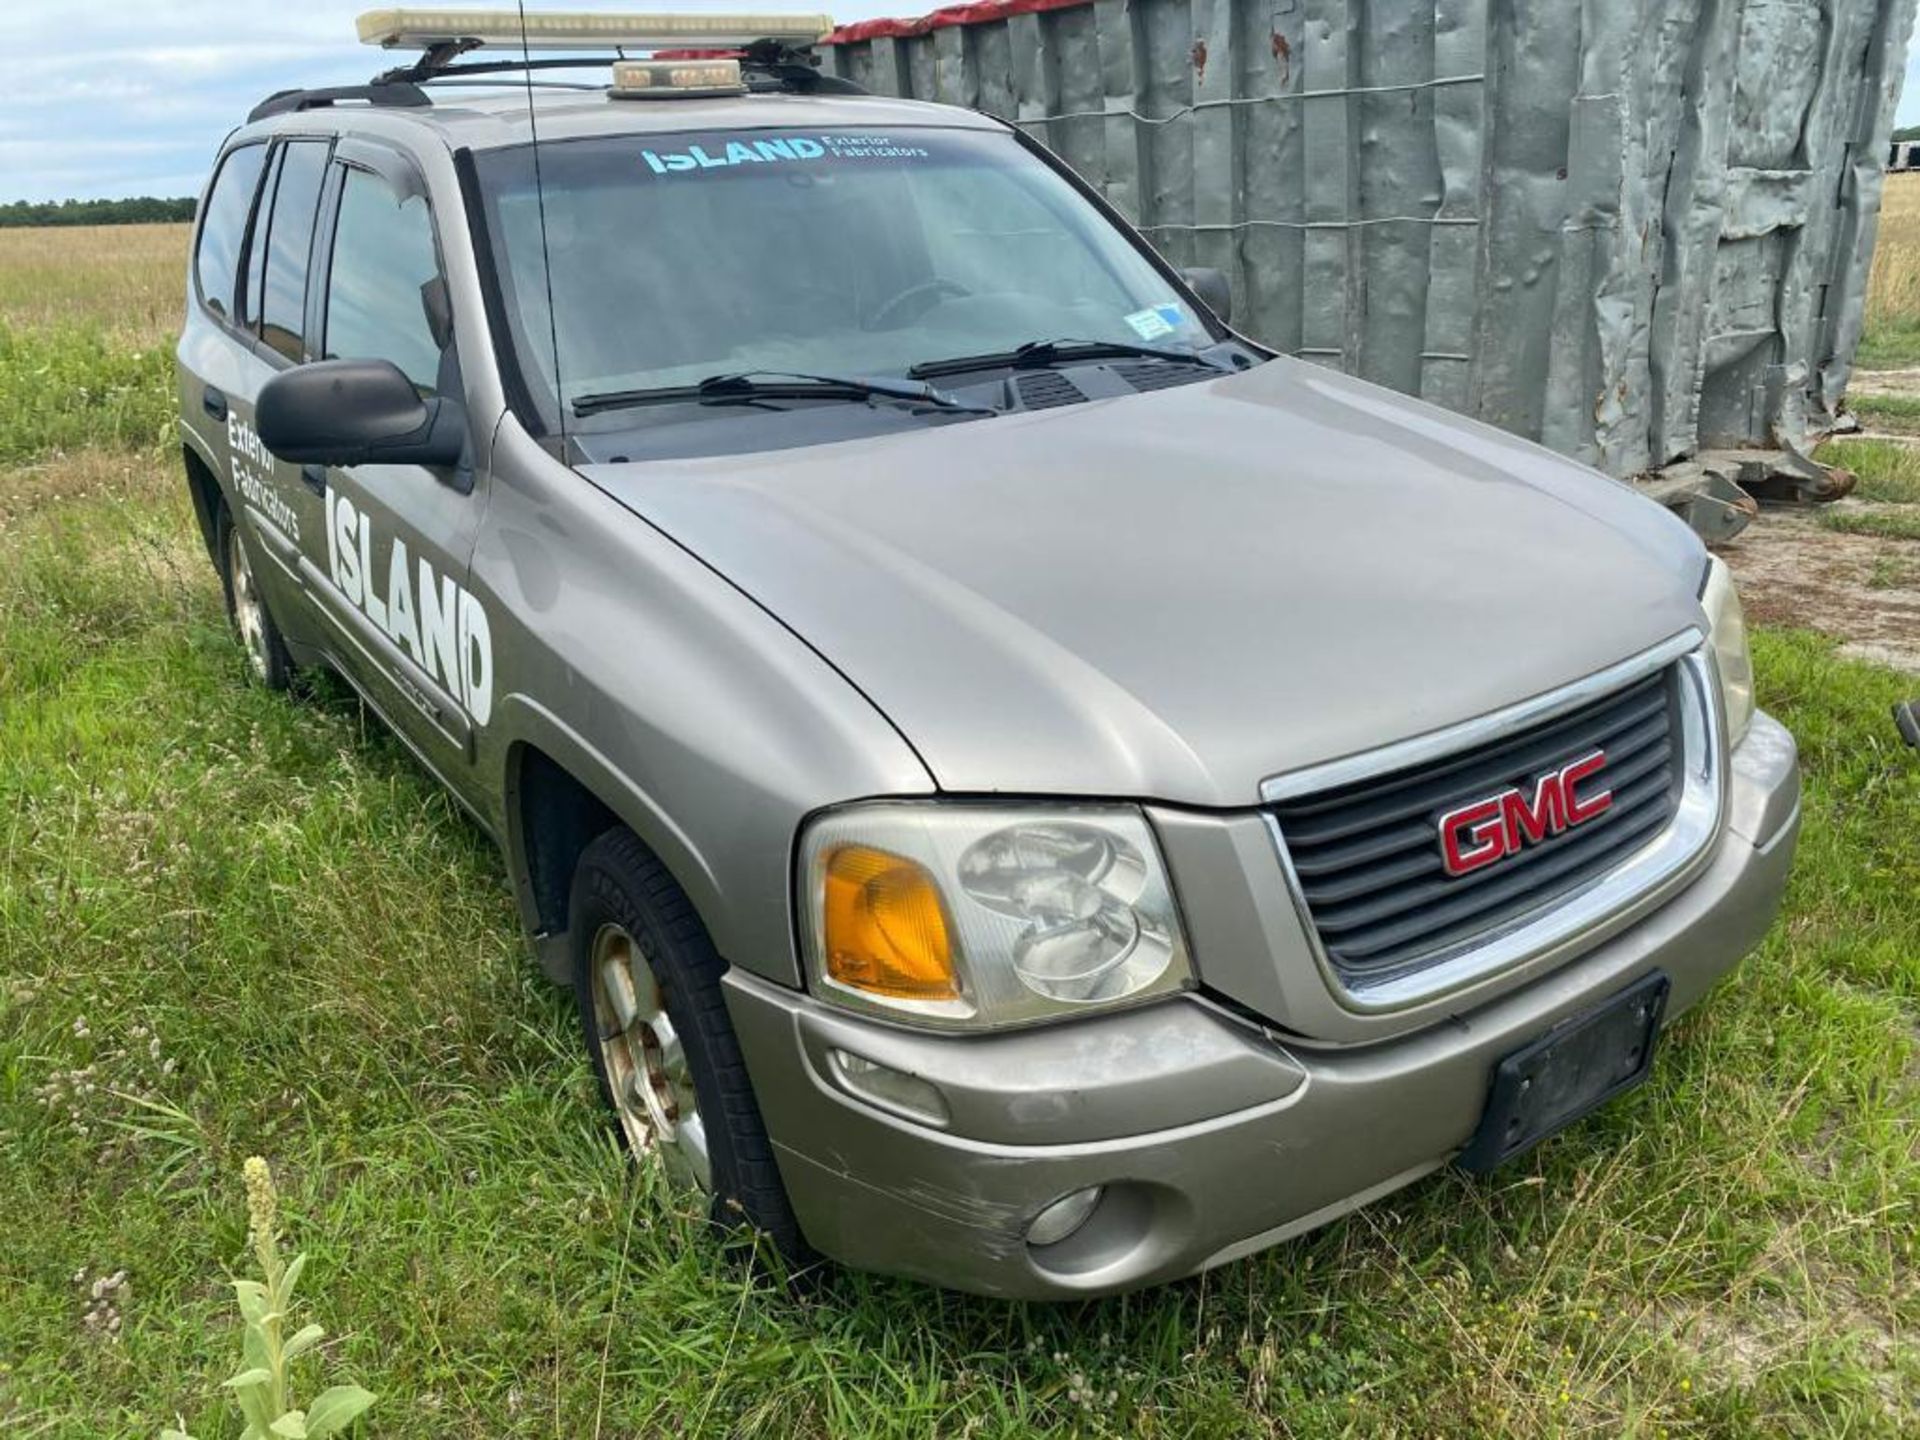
[
  {"x": 247, "y": 612},
  {"x": 647, "y": 980}
]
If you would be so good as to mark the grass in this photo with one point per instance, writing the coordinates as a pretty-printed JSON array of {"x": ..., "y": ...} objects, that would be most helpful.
[
  {"x": 1899, "y": 414},
  {"x": 233, "y": 923},
  {"x": 1887, "y": 524},
  {"x": 87, "y": 322},
  {"x": 73, "y": 387},
  {"x": 1894, "y": 572},
  {"x": 1888, "y": 480},
  {"x": 1887, "y": 470},
  {"x": 128, "y": 281},
  {"x": 1891, "y": 339}
]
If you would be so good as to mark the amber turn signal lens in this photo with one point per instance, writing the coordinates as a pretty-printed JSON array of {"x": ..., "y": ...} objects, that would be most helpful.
[{"x": 886, "y": 929}]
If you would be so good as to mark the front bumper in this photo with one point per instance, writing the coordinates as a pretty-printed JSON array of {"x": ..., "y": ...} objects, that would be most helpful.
[{"x": 1213, "y": 1137}]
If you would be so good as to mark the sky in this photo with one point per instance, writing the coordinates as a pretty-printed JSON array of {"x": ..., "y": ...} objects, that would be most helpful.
[{"x": 132, "y": 97}]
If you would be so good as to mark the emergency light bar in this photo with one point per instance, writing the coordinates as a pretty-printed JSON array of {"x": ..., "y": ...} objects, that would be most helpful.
[
  {"x": 426, "y": 29},
  {"x": 675, "y": 79}
]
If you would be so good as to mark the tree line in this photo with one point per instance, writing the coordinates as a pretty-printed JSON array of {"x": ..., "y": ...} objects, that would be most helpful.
[{"x": 141, "y": 209}]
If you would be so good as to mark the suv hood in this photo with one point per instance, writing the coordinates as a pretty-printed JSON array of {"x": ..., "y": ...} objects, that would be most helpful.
[{"x": 1176, "y": 595}]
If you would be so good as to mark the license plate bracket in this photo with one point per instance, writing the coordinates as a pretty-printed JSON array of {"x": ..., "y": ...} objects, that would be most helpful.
[{"x": 1573, "y": 1069}]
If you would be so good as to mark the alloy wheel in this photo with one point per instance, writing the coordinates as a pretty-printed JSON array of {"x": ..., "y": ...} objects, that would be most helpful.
[
  {"x": 645, "y": 1061},
  {"x": 249, "y": 614}
]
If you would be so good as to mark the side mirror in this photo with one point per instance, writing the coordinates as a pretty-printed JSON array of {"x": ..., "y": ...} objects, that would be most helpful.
[
  {"x": 1212, "y": 288},
  {"x": 357, "y": 412}
]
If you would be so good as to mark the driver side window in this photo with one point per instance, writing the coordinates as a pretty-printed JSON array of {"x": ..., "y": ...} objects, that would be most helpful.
[{"x": 384, "y": 273}]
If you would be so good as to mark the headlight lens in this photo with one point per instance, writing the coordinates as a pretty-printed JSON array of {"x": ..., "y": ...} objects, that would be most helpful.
[
  {"x": 975, "y": 916},
  {"x": 1727, "y": 627}
]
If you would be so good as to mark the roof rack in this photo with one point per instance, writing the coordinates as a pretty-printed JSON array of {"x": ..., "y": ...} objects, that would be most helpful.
[
  {"x": 778, "y": 59},
  {"x": 382, "y": 91}
]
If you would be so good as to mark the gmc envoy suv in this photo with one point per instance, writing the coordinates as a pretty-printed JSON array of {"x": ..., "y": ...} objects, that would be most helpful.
[{"x": 1031, "y": 789}]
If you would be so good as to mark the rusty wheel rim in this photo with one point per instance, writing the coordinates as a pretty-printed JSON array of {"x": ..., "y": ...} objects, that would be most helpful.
[
  {"x": 249, "y": 614},
  {"x": 646, "y": 1062}
]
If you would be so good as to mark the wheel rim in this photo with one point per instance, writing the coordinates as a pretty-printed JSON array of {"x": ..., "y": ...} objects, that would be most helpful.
[
  {"x": 249, "y": 615},
  {"x": 646, "y": 1062}
]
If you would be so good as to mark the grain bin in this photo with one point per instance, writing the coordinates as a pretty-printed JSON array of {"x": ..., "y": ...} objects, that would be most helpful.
[{"x": 1635, "y": 230}]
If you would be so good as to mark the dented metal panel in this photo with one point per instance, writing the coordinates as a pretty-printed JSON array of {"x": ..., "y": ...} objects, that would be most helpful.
[{"x": 1630, "y": 229}]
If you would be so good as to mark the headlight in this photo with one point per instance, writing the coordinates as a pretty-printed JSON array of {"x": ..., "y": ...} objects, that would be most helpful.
[
  {"x": 973, "y": 916},
  {"x": 1727, "y": 628}
]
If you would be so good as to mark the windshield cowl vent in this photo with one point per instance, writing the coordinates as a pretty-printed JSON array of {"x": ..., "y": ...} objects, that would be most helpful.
[
  {"x": 1045, "y": 389},
  {"x": 1158, "y": 374}
]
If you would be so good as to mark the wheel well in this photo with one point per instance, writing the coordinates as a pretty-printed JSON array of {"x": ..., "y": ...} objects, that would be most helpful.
[
  {"x": 205, "y": 490},
  {"x": 559, "y": 818}
]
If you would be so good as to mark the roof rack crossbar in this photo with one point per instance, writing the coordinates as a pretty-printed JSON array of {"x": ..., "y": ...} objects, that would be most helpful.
[{"x": 398, "y": 93}]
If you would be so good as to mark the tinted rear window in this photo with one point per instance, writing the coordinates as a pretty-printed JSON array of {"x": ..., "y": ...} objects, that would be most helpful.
[
  {"x": 289, "y": 242},
  {"x": 224, "y": 228}
]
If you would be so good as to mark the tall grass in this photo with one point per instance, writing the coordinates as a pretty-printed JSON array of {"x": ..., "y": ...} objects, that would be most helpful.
[
  {"x": 1892, "y": 335},
  {"x": 75, "y": 386},
  {"x": 125, "y": 281},
  {"x": 88, "y": 316}
]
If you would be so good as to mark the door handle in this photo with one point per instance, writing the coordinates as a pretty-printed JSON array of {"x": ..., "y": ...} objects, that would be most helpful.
[
  {"x": 314, "y": 477},
  {"x": 214, "y": 402}
]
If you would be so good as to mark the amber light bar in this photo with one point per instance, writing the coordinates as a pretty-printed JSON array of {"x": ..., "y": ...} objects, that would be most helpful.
[
  {"x": 675, "y": 79},
  {"x": 424, "y": 29}
]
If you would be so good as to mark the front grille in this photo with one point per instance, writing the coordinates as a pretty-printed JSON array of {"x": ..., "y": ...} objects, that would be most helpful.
[{"x": 1368, "y": 856}]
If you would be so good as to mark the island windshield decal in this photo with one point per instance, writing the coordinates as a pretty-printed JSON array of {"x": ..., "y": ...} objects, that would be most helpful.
[{"x": 720, "y": 152}]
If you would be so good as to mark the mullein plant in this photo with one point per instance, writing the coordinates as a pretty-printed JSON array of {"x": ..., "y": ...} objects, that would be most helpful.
[{"x": 262, "y": 1388}]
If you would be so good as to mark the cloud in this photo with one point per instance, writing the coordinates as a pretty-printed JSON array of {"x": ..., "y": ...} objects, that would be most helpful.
[{"x": 124, "y": 97}]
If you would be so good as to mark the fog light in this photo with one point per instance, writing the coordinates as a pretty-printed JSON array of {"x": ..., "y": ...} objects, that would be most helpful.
[
  {"x": 1064, "y": 1216},
  {"x": 891, "y": 1089}
]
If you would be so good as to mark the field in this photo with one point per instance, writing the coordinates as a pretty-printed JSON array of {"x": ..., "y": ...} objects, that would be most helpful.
[
  {"x": 234, "y": 924},
  {"x": 1892, "y": 338}
]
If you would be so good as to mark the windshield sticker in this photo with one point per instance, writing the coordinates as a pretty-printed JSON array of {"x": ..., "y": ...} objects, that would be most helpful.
[
  {"x": 787, "y": 149},
  {"x": 1160, "y": 320}
]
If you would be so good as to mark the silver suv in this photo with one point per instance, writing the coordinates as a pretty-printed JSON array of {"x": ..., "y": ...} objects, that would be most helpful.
[{"x": 1031, "y": 790}]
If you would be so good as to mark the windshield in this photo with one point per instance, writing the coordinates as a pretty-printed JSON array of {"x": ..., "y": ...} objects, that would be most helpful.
[{"x": 677, "y": 257}]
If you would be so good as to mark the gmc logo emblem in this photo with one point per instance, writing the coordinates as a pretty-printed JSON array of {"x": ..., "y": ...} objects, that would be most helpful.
[{"x": 1485, "y": 831}]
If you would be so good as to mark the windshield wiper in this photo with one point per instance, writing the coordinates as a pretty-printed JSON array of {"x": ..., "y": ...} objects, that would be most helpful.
[
  {"x": 1038, "y": 354},
  {"x": 746, "y": 387}
]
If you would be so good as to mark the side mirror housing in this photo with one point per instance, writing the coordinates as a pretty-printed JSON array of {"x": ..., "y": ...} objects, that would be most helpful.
[
  {"x": 1213, "y": 289},
  {"x": 358, "y": 412}
]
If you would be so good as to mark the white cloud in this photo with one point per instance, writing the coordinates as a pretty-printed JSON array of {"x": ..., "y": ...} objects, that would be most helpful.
[{"x": 124, "y": 97}]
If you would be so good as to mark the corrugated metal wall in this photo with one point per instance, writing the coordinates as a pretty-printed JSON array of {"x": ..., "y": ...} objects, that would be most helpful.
[{"x": 1630, "y": 229}]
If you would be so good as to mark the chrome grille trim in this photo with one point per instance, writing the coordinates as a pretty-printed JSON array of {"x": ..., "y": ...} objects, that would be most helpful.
[{"x": 1643, "y": 878}]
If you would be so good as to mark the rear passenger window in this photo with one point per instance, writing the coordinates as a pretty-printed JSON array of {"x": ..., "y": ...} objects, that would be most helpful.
[
  {"x": 255, "y": 285},
  {"x": 296, "y": 200},
  {"x": 383, "y": 260},
  {"x": 223, "y": 228}
]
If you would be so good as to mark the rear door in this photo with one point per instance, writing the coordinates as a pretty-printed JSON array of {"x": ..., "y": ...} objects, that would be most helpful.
[
  {"x": 251, "y": 285},
  {"x": 390, "y": 552}
]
